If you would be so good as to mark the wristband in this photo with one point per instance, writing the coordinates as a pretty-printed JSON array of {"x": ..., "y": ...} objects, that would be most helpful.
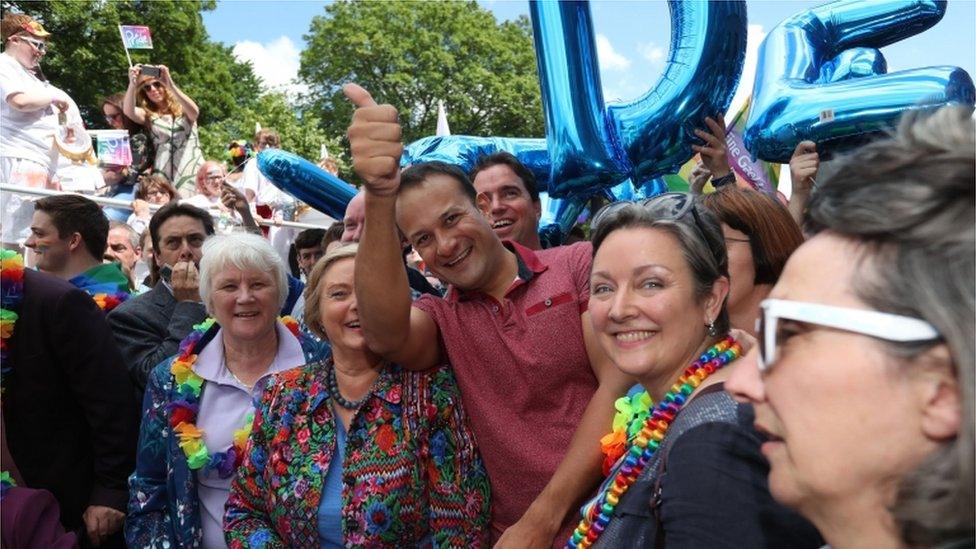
[{"x": 724, "y": 180}]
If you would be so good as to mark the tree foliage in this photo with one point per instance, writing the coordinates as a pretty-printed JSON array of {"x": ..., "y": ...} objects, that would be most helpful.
[
  {"x": 301, "y": 133},
  {"x": 86, "y": 60},
  {"x": 411, "y": 54}
]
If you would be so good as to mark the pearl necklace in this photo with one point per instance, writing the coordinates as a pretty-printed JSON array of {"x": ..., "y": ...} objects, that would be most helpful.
[{"x": 598, "y": 513}]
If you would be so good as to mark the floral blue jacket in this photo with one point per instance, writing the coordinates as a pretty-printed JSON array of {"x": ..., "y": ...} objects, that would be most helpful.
[{"x": 163, "y": 506}]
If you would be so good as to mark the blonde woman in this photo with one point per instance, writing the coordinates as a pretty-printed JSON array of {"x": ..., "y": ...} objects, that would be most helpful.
[{"x": 171, "y": 116}]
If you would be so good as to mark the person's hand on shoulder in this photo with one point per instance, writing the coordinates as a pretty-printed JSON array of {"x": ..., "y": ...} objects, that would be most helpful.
[{"x": 374, "y": 140}]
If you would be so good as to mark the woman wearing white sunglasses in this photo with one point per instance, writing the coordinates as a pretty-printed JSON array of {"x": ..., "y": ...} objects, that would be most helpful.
[{"x": 865, "y": 380}]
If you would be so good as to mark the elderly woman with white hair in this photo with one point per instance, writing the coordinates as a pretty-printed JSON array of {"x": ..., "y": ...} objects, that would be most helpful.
[{"x": 198, "y": 406}]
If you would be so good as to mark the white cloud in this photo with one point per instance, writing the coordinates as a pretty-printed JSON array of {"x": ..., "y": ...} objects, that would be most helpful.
[
  {"x": 754, "y": 39},
  {"x": 276, "y": 62},
  {"x": 609, "y": 58},
  {"x": 652, "y": 52}
]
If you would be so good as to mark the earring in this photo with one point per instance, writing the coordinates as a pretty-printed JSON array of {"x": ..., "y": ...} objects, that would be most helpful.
[{"x": 712, "y": 332}]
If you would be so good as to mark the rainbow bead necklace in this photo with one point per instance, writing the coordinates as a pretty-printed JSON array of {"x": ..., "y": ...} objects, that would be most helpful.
[
  {"x": 597, "y": 515},
  {"x": 184, "y": 409}
]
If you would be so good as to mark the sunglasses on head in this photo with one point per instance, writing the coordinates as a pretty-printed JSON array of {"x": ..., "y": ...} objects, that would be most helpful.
[
  {"x": 886, "y": 326},
  {"x": 664, "y": 206}
]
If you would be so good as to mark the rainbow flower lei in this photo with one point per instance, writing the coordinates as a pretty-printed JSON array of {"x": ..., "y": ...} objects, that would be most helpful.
[
  {"x": 11, "y": 292},
  {"x": 598, "y": 513},
  {"x": 632, "y": 412},
  {"x": 183, "y": 411}
]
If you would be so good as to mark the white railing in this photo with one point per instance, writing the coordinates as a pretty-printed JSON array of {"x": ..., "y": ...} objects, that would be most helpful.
[{"x": 127, "y": 204}]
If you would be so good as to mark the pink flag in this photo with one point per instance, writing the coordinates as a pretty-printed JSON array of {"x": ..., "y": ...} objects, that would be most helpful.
[{"x": 136, "y": 37}]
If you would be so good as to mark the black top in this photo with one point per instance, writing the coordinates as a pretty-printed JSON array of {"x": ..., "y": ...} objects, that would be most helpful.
[
  {"x": 69, "y": 408},
  {"x": 713, "y": 489}
]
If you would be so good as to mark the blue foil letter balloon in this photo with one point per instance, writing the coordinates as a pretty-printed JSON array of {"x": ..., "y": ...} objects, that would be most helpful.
[
  {"x": 590, "y": 148},
  {"x": 821, "y": 77},
  {"x": 306, "y": 182}
]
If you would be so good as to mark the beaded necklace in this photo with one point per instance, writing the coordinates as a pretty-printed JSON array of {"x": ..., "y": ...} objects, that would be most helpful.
[
  {"x": 330, "y": 377},
  {"x": 11, "y": 292},
  {"x": 597, "y": 515},
  {"x": 183, "y": 411}
]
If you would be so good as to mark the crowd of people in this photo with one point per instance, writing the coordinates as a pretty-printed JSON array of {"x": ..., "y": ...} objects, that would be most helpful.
[{"x": 700, "y": 370}]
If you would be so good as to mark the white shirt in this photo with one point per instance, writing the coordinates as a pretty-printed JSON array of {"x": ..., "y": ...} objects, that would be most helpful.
[
  {"x": 265, "y": 192},
  {"x": 29, "y": 135}
]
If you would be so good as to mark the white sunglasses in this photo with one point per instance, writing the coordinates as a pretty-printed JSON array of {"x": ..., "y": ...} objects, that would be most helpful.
[{"x": 887, "y": 326}]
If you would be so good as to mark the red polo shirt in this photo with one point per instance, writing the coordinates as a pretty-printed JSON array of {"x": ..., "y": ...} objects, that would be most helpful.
[{"x": 523, "y": 370}]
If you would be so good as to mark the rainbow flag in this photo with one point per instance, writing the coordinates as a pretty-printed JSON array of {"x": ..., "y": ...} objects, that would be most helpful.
[
  {"x": 136, "y": 37},
  {"x": 113, "y": 148}
]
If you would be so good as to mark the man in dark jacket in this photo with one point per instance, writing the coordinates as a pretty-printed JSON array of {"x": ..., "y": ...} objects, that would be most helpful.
[
  {"x": 71, "y": 418},
  {"x": 150, "y": 326}
]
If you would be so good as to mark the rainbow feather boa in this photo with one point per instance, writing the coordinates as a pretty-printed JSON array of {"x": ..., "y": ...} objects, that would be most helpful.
[
  {"x": 11, "y": 292},
  {"x": 184, "y": 409}
]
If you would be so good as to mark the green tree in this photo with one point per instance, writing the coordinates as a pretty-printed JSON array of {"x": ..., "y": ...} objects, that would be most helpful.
[
  {"x": 411, "y": 54},
  {"x": 301, "y": 133}
]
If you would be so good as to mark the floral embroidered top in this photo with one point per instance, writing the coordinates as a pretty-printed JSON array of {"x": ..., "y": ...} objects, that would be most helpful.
[{"x": 412, "y": 475}]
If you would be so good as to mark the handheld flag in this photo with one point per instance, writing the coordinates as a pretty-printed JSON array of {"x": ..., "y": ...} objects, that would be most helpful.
[
  {"x": 114, "y": 148},
  {"x": 136, "y": 37}
]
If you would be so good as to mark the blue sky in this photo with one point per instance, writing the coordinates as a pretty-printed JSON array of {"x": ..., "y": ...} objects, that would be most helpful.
[{"x": 632, "y": 37}]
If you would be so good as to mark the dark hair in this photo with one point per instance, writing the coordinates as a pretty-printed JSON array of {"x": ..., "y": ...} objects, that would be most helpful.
[
  {"x": 773, "y": 235},
  {"x": 909, "y": 201},
  {"x": 116, "y": 101},
  {"x": 698, "y": 234},
  {"x": 309, "y": 238},
  {"x": 72, "y": 213},
  {"x": 418, "y": 173},
  {"x": 174, "y": 209},
  {"x": 508, "y": 159},
  {"x": 147, "y": 182},
  {"x": 333, "y": 234}
]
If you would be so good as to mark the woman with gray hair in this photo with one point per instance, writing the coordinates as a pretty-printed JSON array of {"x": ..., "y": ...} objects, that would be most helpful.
[
  {"x": 686, "y": 472},
  {"x": 199, "y": 406},
  {"x": 865, "y": 386}
]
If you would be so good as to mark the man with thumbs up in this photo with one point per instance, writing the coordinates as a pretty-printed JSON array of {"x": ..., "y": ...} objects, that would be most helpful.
[{"x": 514, "y": 326}]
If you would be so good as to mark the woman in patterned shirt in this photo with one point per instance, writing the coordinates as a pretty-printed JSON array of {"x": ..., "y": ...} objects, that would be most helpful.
[{"x": 354, "y": 451}]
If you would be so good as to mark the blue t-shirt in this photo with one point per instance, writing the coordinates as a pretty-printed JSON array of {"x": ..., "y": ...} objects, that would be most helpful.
[{"x": 330, "y": 507}]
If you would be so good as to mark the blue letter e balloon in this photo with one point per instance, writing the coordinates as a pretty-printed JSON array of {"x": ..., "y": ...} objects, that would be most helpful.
[{"x": 821, "y": 77}]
